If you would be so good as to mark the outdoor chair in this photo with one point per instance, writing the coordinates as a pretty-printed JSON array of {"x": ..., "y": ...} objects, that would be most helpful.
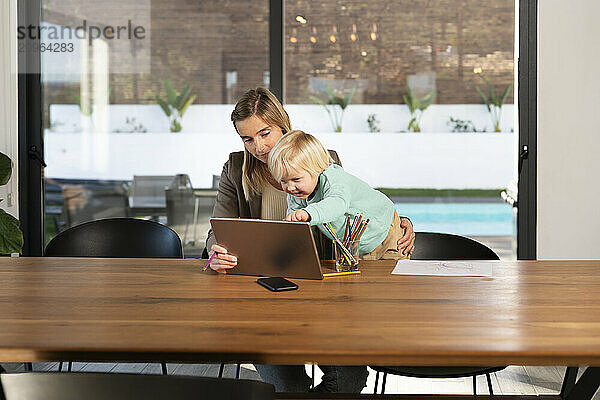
[
  {"x": 116, "y": 238},
  {"x": 147, "y": 195},
  {"x": 443, "y": 246},
  {"x": 92, "y": 200},
  {"x": 101, "y": 386}
]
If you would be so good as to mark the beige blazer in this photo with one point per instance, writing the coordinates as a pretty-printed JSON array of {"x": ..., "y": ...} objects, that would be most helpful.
[{"x": 231, "y": 202}]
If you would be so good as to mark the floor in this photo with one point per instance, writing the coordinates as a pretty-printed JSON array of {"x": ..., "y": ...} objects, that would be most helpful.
[{"x": 512, "y": 380}]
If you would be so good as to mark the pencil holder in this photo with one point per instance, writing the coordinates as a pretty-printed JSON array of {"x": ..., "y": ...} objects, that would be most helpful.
[{"x": 346, "y": 257}]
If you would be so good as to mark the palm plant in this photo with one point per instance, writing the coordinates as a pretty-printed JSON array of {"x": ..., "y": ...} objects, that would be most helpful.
[
  {"x": 493, "y": 103},
  {"x": 334, "y": 101},
  {"x": 176, "y": 105},
  {"x": 417, "y": 106},
  {"x": 11, "y": 237}
]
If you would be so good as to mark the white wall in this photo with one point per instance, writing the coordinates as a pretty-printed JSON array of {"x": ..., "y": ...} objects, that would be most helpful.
[
  {"x": 397, "y": 160},
  {"x": 8, "y": 101},
  {"x": 568, "y": 163},
  {"x": 215, "y": 118}
]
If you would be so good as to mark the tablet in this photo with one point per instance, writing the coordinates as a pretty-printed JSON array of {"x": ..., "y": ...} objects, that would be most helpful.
[{"x": 269, "y": 248}]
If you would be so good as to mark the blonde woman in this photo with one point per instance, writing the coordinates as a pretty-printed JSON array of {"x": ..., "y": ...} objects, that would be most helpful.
[{"x": 247, "y": 190}]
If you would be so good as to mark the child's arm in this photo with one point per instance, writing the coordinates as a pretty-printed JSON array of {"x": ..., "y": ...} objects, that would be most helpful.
[{"x": 335, "y": 204}]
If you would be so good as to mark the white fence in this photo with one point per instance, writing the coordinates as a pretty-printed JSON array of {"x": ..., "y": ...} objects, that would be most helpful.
[
  {"x": 397, "y": 160},
  {"x": 393, "y": 118}
]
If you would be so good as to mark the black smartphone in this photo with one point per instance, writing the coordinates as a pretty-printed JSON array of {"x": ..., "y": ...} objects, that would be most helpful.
[{"x": 277, "y": 284}]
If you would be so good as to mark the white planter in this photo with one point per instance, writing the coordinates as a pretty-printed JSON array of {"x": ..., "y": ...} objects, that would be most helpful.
[{"x": 397, "y": 160}]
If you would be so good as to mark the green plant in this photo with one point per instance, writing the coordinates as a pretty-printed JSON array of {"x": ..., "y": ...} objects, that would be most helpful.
[
  {"x": 132, "y": 126},
  {"x": 459, "y": 125},
  {"x": 493, "y": 103},
  {"x": 335, "y": 115},
  {"x": 373, "y": 123},
  {"x": 11, "y": 237},
  {"x": 176, "y": 105},
  {"x": 417, "y": 106},
  {"x": 84, "y": 108}
]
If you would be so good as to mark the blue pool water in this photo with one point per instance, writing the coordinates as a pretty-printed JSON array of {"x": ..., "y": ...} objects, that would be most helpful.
[{"x": 468, "y": 219}]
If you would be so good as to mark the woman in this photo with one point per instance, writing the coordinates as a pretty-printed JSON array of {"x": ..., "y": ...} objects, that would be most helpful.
[{"x": 247, "y": 190}]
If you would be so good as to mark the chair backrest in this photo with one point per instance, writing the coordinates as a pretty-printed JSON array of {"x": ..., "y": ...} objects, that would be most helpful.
[
  {"x": 91, "y": 201},
  {"x": 146, "y": 189},
  {"x": 98, "y": 386},
  {"x": 116, "y": 237},
  {"x": 444, "y": 246}
]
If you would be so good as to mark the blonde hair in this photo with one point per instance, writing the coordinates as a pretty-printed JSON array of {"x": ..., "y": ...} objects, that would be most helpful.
[
  {"x": 298, "y": 151},
  {"x": 262, "y": 103}
]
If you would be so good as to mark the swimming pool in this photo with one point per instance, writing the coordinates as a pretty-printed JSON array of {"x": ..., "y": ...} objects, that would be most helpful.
[{"x": 468, "y": 219}]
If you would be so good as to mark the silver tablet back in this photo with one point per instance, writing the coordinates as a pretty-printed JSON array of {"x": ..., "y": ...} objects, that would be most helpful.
[{"x": 269, "y": 248}]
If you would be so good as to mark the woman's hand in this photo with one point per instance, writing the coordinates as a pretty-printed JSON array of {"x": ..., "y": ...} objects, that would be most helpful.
[
  {"x": 222, "y": 261},
  {"x": 406, "y": 244},
  {"x": 298, "y": 215}
]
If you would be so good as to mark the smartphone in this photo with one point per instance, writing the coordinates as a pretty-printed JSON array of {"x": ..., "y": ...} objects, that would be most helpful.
[{"x": 277, "y": 284}]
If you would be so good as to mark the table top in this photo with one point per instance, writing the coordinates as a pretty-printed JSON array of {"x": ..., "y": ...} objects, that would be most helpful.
[{"x": 528, "y": 313}]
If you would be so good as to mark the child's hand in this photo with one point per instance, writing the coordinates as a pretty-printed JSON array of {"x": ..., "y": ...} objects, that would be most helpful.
[{"x": 298, "y": 215}]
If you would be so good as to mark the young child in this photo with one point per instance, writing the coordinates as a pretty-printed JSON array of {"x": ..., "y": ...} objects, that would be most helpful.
[{"x": 322, "y": 192}]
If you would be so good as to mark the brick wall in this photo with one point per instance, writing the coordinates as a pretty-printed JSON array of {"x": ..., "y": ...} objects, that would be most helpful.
[{"x": 437, "y": 43}]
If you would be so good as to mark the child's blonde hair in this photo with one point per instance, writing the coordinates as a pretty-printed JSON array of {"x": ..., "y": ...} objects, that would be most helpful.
[{"x": 298, "y": 151}]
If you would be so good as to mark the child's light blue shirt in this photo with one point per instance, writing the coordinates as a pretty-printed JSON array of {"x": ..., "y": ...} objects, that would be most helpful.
[{"x": 339, "y": 194}]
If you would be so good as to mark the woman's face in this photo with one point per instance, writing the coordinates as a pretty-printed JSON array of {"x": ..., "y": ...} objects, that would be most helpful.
[{"x": 258, "y": 136}]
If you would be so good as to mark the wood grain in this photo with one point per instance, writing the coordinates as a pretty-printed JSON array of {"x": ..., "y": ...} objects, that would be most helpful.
[{"x": 529, "y": 313}]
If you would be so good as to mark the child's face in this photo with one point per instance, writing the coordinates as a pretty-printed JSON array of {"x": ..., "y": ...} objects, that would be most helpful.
[{"x": 299, "y": 183}]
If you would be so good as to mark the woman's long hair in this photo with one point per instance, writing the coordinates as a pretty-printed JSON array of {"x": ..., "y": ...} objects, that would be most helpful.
[{"x": 262, "y": 103}]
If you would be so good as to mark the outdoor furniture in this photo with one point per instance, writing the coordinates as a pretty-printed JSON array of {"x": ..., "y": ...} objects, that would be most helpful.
[
  {"x": 90, "y": 200},
  {"x": 443, "y": 246},
  {"x": 102, "y": 386},
  {"x": 530, "y": 313},
  {"x": 147, "y": 195},
  {"x": 114, "y": 238}
]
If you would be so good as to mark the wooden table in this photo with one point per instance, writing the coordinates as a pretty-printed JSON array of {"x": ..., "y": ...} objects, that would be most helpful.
[{"x": 529, "y": 313}]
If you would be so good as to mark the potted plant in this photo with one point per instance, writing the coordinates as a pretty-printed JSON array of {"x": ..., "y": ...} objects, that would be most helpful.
[
  {"x": 493, "y": 103},
  {"x": 176, "y": 105},
  {"x": 416, "y": 107},
  {"x": 11, "y": 237},
  {"x": 334, "y": 101}
]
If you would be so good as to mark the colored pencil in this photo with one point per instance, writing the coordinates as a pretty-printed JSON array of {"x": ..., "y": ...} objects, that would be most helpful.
[
  {"x": 209, "y": 261},
  {"x": 328, "y": 274},
  {"x": 363, "y": 230}
]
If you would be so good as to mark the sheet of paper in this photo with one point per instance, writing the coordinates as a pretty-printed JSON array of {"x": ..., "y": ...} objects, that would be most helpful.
[{"x": 444, "y": 268}]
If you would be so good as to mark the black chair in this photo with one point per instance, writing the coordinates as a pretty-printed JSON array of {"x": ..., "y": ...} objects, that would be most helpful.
[
  {"x": 98, "y": 386},
  {"x": 116, "y": 238},
  {"x": 443, "y": 246}
]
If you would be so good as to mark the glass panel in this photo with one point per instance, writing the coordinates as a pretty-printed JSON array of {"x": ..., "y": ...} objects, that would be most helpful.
[
  {"x": 135, "y": 94},
  {"x": 415, "y": 75}
]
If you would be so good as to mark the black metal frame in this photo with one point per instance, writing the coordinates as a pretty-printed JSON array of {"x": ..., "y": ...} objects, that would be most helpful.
[
  {"x": 31, "y": 192},
  {"x": 527, "y": 100},
  {"x": 586, "y": 386},
  {"x": 276, "y": 54}
]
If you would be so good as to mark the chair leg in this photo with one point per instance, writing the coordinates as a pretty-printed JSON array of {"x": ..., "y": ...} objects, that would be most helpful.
[
  {"x": 164, "y": 368},
  {"x": 376, "y": 382},
  {"x": 489, "y": 381},
  {"x": 383, "y": 383},
  {"x": 569, "y": 381},
  {"x": 474, "y": 385},
  {"x": 60, "y": 364},
  {"x": 237, "y": 371},
  {"x": 313, "y": 376},
  {"x": 69, "y": 366},
  {"x": 221, "y": 370},
  {"x": 28, "y": 367},
  {"x": 2, "y": 370}
]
